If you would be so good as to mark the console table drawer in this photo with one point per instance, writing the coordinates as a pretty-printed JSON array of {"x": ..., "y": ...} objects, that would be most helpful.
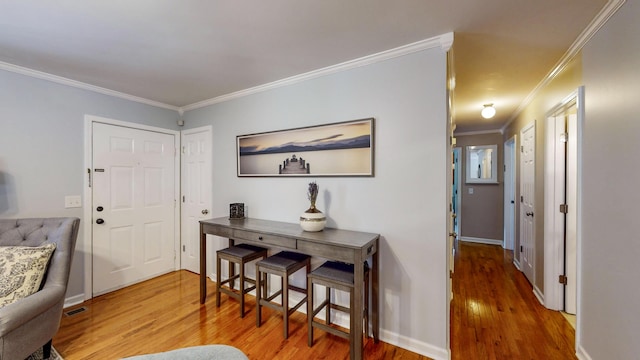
[
  {"x": 218, "y": 231},
  {"x": 264, "y": 239},
  {"x": 327, "y": 251}
]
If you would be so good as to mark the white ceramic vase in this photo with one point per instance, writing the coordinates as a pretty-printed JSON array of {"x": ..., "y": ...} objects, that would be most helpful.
[{"x": 313, "y": 220}]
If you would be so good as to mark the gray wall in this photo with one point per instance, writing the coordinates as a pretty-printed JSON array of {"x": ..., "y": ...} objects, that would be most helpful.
[
  {"x": 482, "y": 213},
  {"x": 42, "y": 147},
  {"x": 405, "y": 202},
  {"x": 610, "y": 322}
]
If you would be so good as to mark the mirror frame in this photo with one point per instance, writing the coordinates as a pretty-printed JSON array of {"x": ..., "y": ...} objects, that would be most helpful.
[{"x": 494, "y": 165}]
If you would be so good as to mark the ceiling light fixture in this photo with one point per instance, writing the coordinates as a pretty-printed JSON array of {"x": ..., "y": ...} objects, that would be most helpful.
[{"x": 488, "y": 111}]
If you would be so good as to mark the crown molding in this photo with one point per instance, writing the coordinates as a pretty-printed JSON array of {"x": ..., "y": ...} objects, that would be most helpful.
[
  {"x": 446, "y": 41},
  {"x": 598, "y": 22},
  {"x": 80, "y": 85},
  {"x": 442, "y": 41}
]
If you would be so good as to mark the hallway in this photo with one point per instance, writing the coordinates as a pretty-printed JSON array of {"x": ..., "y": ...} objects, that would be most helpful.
[{"x": 495, "y": 315}]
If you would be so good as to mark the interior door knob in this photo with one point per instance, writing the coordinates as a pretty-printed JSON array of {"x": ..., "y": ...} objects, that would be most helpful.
[{"x": 205, "y": 212}]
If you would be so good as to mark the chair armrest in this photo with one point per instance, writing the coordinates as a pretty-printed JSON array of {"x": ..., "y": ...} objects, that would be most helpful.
[{"x": 14, "y": 315}]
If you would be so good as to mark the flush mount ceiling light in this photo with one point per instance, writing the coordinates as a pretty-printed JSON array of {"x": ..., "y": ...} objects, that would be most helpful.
[{"x": 488, "y": 111}]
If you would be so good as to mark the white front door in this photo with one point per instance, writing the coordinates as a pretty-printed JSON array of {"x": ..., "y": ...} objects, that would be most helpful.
[
  {"x": 133, "y": 206},
  {"x": 527, "y": 199},
  {"x": 196, "y": 192}
]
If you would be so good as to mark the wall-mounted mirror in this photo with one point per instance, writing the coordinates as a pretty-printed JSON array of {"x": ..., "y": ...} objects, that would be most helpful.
[{"x": 482, "y": 164}]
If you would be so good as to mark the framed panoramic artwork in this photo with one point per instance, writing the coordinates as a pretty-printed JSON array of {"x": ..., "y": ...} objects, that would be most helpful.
[{"x": 337, "y": 149}]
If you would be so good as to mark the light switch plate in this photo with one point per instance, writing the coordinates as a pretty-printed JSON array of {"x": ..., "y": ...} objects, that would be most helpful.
[
  {"x": 74, "y": 201},
  {"x": 470, "y": 190}
]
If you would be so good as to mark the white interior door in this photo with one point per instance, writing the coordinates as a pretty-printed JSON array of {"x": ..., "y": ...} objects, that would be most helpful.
[
  {"x": 133, "y": 206},
  {"x": 527, "y": 201},
  {"x": 571, "y": 230},
  {"x": 509, "y": 193},
  {"x": 196, "y": 192}
]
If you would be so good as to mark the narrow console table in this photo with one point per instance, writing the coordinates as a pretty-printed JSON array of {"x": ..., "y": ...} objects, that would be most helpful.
[{"x": 340, "y": 245}]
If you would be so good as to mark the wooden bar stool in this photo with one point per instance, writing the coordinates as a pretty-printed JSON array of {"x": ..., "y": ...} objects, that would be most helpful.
[
  {"x": 239, "y": 254},
  {"x": 339, "y": 276},
  {"x": 282, "y": 264}
]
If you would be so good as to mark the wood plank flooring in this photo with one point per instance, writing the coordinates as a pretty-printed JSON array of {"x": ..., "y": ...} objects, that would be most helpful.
[
  {"x": 494, "y": 315},
  {"x": 164, "y": 313}
]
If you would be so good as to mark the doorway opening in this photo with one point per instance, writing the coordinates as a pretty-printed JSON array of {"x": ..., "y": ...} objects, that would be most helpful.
[
  {"x": 455, "y": 192},
  {"x": 562, "y": 203}
]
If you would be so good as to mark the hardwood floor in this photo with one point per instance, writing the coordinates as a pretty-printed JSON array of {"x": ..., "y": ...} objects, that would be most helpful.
[
  {"x": 495, "y": 315},
  {"x": 164, "y": 313}
]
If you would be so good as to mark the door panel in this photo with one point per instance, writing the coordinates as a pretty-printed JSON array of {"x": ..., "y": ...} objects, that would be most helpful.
[
  {"x": 527, "y": 206},
  {"x": 196, "y": 192},
  {"x": 133, "y": 181},
  {"x": 571, "y": 267}
]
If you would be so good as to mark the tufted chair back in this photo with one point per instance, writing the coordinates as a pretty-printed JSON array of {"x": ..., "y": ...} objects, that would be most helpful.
[{"x": 31, "y": 322}]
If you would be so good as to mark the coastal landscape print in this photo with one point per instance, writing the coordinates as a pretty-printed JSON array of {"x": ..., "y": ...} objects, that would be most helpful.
[{"x": 338, "y": 149}]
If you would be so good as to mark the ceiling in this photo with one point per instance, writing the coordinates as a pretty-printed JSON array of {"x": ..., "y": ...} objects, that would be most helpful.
[{"x": 182, "y": 52}]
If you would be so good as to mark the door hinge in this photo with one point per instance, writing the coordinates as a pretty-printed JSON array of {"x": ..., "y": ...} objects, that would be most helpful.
[
  {"x": 184, "y": 248},
  {"x": 450, "y": 274},
  {"x": 564, "y": 208},
  {"x": 521, "y": 198},
  {"x": 562, "y": 279},
  {"x": 89, "y": 176},
  {"x": 184, "y": 149},
  {"x": 183, "y": 198},
  {"x": 521, "y": 149},
  {"x": 521, "y": 248}
]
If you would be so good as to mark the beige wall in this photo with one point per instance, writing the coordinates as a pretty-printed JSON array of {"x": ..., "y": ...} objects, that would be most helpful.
[
  {"x": 609, "y": 320},
  {"x": 549, "y": 96},
  {"x": 482, "y": 214}
]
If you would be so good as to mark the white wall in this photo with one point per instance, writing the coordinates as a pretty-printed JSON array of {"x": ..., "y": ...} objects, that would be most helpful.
[
  {"x": 609, "y": 318},
  {"x": 41, "y": 147},
  {"x": 405, "y": 202}
]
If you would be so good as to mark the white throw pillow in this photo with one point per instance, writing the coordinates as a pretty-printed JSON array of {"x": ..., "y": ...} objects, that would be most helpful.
[{"x": 21, "y": 270}]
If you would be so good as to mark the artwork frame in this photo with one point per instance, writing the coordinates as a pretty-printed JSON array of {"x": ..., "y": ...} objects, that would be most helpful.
[{"x": 340, "y": 149}]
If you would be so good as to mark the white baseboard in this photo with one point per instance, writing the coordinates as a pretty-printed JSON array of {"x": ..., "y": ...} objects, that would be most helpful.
[
  {"x": 481, "y": 240},
  {"x": 73, "y": 300},
  {"x": 414, "y": 345},
  {"x": 539, "y": 295},
  {"x": 582, "y": 354},
  {"x": 516, "y": 263}
]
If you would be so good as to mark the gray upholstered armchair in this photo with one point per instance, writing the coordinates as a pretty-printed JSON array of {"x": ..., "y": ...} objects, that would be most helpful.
[{"x": 31, "y": 322}]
